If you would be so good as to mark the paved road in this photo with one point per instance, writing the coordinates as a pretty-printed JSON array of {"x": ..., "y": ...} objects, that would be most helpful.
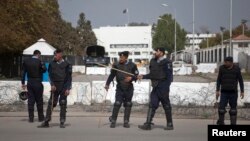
[{"x": 85, "y": 128}]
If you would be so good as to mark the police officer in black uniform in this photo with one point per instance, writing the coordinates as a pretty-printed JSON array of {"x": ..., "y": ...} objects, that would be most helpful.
[
  {"x": 34, "y": 68},
  {"x": 227, "y": 88},
  {"x": 161, "y": 76},
  {"x": 124, "y": 88},
  {"x": 60, "y": 74}
]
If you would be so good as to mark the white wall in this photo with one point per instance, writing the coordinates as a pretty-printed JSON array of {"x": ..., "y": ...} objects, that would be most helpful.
[
  {"x": 106, "y": 71},
  {"x": 86, "y": 93},
  {"x": 80, "y": 69}
]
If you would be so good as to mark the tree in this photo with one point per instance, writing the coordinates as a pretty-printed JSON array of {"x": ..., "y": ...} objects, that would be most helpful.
[
  {"x": 23, "y": 22},
  {"x": 226, "y": 34},
  {"x": 212, "y": 41},
  {"x": 84, "y": 30},
  {"x": 137, "y": 24},
  {"x": 164, "y": 34}
]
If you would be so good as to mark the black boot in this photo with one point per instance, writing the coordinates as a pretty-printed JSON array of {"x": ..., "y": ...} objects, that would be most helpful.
[
  {"x": 45, "y": 124},
  {"x": 233, "y": 116},
  {"x": 147, "y": 124},
  {"x": 115, "y": 112},
  {"x": 62, "y": 125},
  {"x": 233, "y": 120},
  {"x": 63, "y": 105},
  {"x": 221, "y": 113},
  {"x": 31, "y": 115},
  {"x": 168, "y": 114},
  {"x": 126, "y": 117}
]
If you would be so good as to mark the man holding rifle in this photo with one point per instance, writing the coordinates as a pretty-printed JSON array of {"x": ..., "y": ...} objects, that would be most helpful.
[
  {"x": 124, "y": 88},
  {"x": 60, "y": 74}
]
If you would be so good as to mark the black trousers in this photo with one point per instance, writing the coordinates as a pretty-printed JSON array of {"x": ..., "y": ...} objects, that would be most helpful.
[
  {"x": 124, "y": 95},
  {"x": 230, "y": 98},
  {"x": 58, "y": 94},
  {"x": 35, "y": 95},
  {"x": 159, "y": 94}
]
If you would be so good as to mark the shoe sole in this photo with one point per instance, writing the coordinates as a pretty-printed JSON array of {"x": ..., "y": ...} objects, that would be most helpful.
[
  {"x": 43, "y": 126},
  {"x": 144, "y": 128}
]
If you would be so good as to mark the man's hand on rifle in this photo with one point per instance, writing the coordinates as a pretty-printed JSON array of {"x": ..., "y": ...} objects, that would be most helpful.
[{"x": 139, "y": 77}]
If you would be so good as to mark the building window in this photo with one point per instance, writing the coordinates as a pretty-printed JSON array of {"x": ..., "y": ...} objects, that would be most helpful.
[
  {"x": 114, "y": 60},
  {"x": 112, "y": 53},
  {"x": 129, "y": 46},
  {"x": 137, "y": 53},
  {"x": 243, "y": 45},
  {"x": 144, "y": 53}
]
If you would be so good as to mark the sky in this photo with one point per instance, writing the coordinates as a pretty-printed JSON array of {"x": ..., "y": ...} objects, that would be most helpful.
[{"x": 209, "y": 14}]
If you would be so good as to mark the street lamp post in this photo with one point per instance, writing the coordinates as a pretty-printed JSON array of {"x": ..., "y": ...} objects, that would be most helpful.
[
  {"x": 230, "y": 38},
  {"x": 193, "y": 37},
  {"x": 243, "y": 22},
  {"x": 165, "y": 5},
  {"x": 222, "y": 50},
  {"x": 207, "y": 38}
]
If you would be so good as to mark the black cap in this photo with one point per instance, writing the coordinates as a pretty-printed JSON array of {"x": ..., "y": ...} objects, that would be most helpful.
[
  {"x": 229, "y": 59},
  {"x": 124, "y": 53},
  {"x": 36, "y": 52},
  {"x": 161, "y": 49},
  {"x": 58, "y": 51}
]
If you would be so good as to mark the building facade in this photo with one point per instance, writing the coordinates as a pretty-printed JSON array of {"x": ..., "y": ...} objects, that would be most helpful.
[
  {"x": 135, "y": 39},
  {"x": 197, "y": 39},
  {"x": 186, "y": 54},
  {"x": 240, "y": 51}
]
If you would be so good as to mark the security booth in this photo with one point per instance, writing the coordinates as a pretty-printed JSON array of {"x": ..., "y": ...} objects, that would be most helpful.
[{"x": 47, "y": 54}]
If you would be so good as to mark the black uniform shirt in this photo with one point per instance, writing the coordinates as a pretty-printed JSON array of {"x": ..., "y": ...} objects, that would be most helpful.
[{"x": 34, "y": 69}]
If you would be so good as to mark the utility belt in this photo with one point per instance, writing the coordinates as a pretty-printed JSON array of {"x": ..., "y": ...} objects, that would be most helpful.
[
  {"x": 58, "y": 82},
  {"x": 229, "y": 91},
  {"x": 155, "y": 82},
  {"x": 124, "y": 85},
  {"x": 37, "y": 79}
]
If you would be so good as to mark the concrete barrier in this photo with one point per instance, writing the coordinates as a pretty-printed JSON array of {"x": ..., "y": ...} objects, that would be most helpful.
[
  {"x": 106, "y": 71},
  {"x": 80, "y": 69},
  {"x": 94, "y": 92},
  {"x": 206, "y": 68}
]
